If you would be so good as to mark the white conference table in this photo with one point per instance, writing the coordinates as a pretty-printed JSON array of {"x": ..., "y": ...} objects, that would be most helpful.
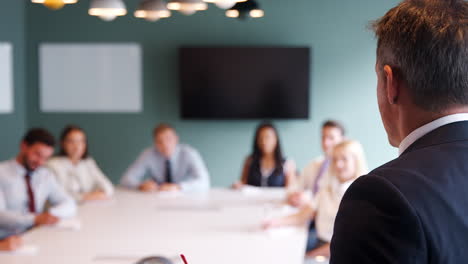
[{"x": 221, "y": 226}]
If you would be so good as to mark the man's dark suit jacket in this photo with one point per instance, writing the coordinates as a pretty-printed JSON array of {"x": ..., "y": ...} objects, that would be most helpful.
[{"x": 413, "y": 209}]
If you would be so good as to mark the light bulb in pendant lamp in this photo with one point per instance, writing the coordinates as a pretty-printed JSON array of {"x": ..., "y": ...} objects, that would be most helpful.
[
  {"x": 224, "y": 4},
  {"x": 107, "y": 10},
  {"x": 187, "y": 7},
  {"x": 242, "y": 10},
  {"x": 152, "y": 10},
  {"x": 54, "y": 4}
]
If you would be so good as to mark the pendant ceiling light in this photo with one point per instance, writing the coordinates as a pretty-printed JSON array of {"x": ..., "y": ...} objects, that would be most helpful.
[
  {"x": 107, "y": 10},
  {"x": 245, "y": 9},
  {"x": 152, "y": 10},
  {"x": 224, "y": 4},
  {"x": 54, "y": 4},
  {"x": 187, "y": 7}
]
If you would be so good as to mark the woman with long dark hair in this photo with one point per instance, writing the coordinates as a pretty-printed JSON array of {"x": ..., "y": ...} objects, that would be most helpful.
[
  {"x": 266, "y": 166},
  {"x": 76, "y": 171}
]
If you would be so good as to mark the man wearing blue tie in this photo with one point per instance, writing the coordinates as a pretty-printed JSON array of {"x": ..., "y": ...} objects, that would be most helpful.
[{"x": 171, "y": 166}]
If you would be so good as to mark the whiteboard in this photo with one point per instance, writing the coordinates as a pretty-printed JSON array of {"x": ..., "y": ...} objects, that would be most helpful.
[
  {"x": 6, "y": 78},
  {"x": 90, "y": 77}
]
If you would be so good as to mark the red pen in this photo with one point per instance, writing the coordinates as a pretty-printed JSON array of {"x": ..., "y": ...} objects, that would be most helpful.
[{"x": 183, "y": 258}]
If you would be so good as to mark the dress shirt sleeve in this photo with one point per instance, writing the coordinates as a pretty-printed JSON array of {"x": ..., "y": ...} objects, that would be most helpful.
[
  {"x": 306, "y": 176},
  {"x": 62, "y": 204},
  {"x": 136, "y": 172},
  {"x": 101, "y": 182},
  {"x": 198, "y": 178},
  {"x": 12, "y": 221},
  {"x": 376, "y": 224}
]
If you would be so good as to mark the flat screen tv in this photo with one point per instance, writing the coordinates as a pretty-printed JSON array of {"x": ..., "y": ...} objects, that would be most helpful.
[{"x": 244, "y": 82}]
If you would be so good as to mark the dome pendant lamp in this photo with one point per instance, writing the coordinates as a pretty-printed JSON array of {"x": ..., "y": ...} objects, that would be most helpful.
[
  {"x": 54, "y": 4},
  {"x": 224, "y": 4},
  {"x": 152, "y": 10},
  {"x": 107, "y": 10},
  {"x": 187, "y": 7},
  {"x": 242, "y": 10}
]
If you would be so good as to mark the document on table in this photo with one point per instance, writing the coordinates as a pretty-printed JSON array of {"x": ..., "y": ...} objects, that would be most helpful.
[
  {"x": 250, "y": 190},
  {"x": 169, "y": 194},
  {"x": 25, "y": 250},
  {"x": 280, "y": 232}
]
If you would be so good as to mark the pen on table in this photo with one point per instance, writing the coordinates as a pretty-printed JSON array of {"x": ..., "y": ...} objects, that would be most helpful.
[{"x": 183, "y": 258}]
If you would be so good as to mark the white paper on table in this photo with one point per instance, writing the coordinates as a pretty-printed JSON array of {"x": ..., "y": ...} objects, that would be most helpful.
[
  {"x": 25, "y": 250},
  {"x": 68, "y": 223},
  {"x": 250, "y": 190},
  {"x": 169, "y": 194},
  {"x": 281, "y": 232}
]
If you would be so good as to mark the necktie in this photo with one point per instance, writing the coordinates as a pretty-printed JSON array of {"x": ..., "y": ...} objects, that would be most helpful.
[
  {"x": 321, "y": 171},
  {"x": 31, "y": 202},
  {"x": 168, "y": 172}
]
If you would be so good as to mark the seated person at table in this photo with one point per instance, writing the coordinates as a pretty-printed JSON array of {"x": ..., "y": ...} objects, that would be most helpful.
[
  {"x": 10, "y": 243},
  {"x": 76, "y": 171},
  {"x": 315, "y": 174},
  {"x": 266, "y": 166},
  {"x": 348, "y": 163},
  {"x": 172, "y": 166},
  {"x": 26, "y": 187}
]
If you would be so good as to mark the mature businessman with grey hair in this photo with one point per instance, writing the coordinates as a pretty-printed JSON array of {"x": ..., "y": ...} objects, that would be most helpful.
[{"x": 414, "y": 209}]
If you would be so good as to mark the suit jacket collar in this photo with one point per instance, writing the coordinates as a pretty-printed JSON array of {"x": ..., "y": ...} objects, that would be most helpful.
[{"x": 457, "y": 131}]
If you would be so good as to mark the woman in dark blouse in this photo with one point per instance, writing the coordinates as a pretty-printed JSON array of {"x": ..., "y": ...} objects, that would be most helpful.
[{"x": 266, "y": 166}]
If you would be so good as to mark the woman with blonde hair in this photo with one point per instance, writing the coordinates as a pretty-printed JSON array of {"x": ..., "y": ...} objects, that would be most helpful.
[{"x": 348, "y": 163}]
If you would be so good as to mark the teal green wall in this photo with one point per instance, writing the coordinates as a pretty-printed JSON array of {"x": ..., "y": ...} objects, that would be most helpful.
[
  {"x": 342, "y": 78},
  {"x": 12, "y": 30}
]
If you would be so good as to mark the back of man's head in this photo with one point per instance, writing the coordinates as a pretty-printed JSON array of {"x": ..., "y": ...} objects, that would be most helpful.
[
  {"x": 39, "y": 135},
  {"x": 426, "y": 44}
]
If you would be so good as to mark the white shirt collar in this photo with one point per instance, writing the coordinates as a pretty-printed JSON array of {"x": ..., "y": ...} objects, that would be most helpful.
[
  {"x": 420, "y": 132},
  {"x": 19, "y": 167}
]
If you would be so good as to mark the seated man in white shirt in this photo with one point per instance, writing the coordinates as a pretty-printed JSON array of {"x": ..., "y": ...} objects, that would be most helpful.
[
  {"x": 314, "y": 176},
  {"x": 26, "y": 187},
  {"x": 171, "y": 166}
]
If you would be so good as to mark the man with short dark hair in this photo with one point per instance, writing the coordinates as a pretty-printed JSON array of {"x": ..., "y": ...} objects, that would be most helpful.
[
  {"x": 26, "y": 187},
  {"x": 414, "y": 208},
  {"x": 172, "y": 166},
  {"x": 314, "y": 175}
]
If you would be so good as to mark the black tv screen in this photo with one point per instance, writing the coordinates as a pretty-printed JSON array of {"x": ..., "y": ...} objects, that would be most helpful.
[{"x": 244, "y": 82}]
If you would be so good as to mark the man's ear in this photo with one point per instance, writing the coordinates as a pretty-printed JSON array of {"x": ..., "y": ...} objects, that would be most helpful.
[{"x": 393, "y": 88}]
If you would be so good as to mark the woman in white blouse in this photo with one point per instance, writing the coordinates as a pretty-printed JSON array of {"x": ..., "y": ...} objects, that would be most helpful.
[
  {"x": 76, "y": 171},
  {"x": 348, "y": 163}
]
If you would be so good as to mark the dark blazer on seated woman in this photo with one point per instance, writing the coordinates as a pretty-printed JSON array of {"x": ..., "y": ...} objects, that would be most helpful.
[{"x": 266, "y": 166}]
